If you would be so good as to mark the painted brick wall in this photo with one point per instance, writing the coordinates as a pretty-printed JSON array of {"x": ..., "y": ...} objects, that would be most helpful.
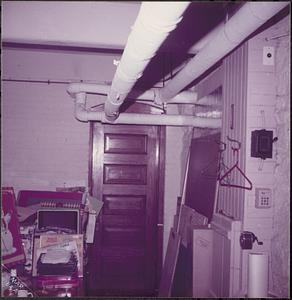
[
  {"x": 178, "y": 140},
  {"x": 173, "y": 149},
  {"x": 267, "y": 103},
  {"x": 43, "y": 146},
  {"x": 58, "y": 65},
  {"x": 280, "y": 249}
]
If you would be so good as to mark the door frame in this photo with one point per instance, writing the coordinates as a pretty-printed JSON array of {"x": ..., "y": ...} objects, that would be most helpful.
[
  {"x": 95, "y": 178},
  {"x": 160, "y": 196}
]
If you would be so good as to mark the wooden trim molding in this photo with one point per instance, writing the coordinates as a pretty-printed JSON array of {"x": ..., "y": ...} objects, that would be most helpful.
[{"x": 160, "y": 218}]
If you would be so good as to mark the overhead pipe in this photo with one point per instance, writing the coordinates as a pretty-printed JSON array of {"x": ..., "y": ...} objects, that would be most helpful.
[
  {"x": 185, "y": 97},
  {"x": 199, "y": 45},
  {"x": 142, "y": 119},
  {"x": 196, "y": 48},
  {"x": 243, "y": 23},
  {"x": 150, "y": 95},
  {"x": 153, "y": 24},
  {"x": 76, "y": 88}
]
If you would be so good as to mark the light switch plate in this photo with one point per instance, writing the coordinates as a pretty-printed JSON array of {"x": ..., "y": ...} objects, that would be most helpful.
[{"x": 263, "y": 198}]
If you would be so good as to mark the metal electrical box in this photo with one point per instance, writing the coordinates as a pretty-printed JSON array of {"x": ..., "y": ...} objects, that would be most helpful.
[{"x": 262, "y": 143}]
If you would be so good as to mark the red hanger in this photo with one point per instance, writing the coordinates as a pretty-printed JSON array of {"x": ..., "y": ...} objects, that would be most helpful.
[{"x": 235, "y": 151}]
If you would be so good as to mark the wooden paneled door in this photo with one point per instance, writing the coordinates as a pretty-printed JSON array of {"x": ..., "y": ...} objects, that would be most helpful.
[{"x": 126, "y": 173}]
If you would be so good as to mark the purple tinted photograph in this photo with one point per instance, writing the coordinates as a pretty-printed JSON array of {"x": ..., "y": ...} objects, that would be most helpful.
[{"x": 156, "y": 132}]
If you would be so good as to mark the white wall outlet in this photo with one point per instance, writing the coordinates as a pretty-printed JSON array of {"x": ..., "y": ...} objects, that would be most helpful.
[
  {"x": 268, "y": 56},
  {"x": 263, "y": 198}
]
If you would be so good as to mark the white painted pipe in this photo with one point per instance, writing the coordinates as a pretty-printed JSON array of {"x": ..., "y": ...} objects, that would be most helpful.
[
  {"x": 153, "y": 24},
  {"x": 83, "y": 115},
  {"x": 150, "y": 95},
  {"x": 75, "y": 88},
  {"x": 199, "y": 45},
  {"x": 244, "y": 22},
  {"x": 185, "y": 97}
]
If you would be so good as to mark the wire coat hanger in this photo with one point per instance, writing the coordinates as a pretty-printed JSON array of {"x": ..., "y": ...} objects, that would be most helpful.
[{"x": 235, "y": 167}]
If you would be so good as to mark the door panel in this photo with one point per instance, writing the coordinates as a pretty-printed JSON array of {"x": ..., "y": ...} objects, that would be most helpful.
[
  {"x": 124, "y": 205},
  {"x": 125, "y": 175},
  {"x": 129, "y": 143}
]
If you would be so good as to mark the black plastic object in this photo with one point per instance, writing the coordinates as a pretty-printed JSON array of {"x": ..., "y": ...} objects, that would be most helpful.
[
  {"x": 262, "y": 143},
  {"x": 67, "y": 269},
  {"x": 247, "y": 239}
]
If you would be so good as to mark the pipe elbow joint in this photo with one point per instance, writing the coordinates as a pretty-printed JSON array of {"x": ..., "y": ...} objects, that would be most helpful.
[
  {"x": 73, "y": 89},
  {"x": 80, "y": 112},
  {"x": 111, "y": 118},
  {"x": 81, "y": 118}
]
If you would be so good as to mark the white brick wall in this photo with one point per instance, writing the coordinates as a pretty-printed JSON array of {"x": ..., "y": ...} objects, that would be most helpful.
[
  {"x": 265, "y": 109},
  {"x": 173, "y": 170},
  {"x": 280, "y": 249},
  {"x": 43, "y": 145},
  {"x": 50, "y": 64}
]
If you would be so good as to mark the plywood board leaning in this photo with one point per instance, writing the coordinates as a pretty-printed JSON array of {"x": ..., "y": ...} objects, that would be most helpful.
[{"x": 169, "y": 264}]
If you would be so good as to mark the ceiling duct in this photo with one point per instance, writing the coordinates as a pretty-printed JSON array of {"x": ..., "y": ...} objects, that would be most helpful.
[
  {"x": 243, "y": 23},
  {"x": 153, "y": 24}
]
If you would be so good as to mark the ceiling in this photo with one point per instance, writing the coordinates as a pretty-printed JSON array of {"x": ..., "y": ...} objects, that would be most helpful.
[
  {"x": 103, "y": 27},
  {"x": 98, "y": 26}
]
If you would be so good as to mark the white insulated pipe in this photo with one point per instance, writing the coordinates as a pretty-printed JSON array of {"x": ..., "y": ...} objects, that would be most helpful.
[
  {"x": 199, "y": 45},
  {"x": 153, "y": 24},
  {"x": 185, "y": 97},
  {"x": 83, "y": 115},
  {"x": 76, "y": 88},
  {"x": 150, "y": 95},
  {"x": 243, "y": 23}
]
